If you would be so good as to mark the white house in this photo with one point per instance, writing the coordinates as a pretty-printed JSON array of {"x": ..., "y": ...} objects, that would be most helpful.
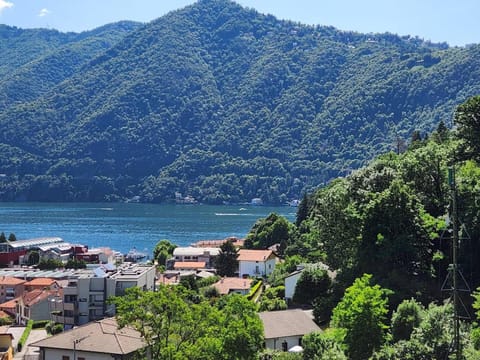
[
  {"x": 285, "y": 329},
  {"x": 291, "y": 283},
  {"x": 256, "y": 262},
  {"x": 195, "y": 254}
]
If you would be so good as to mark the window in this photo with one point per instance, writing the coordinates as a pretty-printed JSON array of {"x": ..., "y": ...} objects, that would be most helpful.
[
  {"x": 80, "y": 358},
  {"x": 64, "y": 357}
]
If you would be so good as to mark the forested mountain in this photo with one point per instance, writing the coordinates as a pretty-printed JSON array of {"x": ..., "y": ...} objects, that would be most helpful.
[{"x": 215, "y": 101}]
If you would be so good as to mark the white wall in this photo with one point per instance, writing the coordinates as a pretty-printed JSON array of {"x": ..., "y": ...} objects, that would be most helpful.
[
  {"x": 54, "y": 354},
  {"x": 250, "y": 267},
  {"x": 276, "y": 344},
  {"x": 290, "y": 284}
]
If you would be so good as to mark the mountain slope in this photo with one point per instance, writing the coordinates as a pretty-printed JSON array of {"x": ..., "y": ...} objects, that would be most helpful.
[{"x": 226, "y": 104}]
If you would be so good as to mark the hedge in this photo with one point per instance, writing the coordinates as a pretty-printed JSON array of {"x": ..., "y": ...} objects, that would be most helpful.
[{"x": 25, "y": 335}]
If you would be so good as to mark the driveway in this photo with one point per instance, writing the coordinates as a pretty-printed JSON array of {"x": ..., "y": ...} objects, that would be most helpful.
[{"x": 35, "y": 335}]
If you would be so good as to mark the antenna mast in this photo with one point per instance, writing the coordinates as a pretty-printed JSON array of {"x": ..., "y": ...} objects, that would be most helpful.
[{"x": 454, "y": 272}]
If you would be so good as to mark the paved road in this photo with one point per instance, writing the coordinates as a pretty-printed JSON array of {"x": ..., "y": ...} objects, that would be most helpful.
[{"x": 35, "y": 335}]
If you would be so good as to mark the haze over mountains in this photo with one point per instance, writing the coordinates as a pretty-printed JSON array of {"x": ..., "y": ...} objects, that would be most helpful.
[{"x": 214, "y": 101}]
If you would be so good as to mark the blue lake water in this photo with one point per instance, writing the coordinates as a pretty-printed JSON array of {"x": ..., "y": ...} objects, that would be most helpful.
[{"x": 122, "y": 226}]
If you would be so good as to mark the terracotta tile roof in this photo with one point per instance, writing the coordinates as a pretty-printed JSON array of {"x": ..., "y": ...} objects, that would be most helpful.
[
  {"x": 40, "y": 282},
  {"x": 284, "y": 323},
  {"x": 102, "y": 337},
  {"x": 35, "y": 296},
  {"x": 189, "y": 265},
  {"x": 225, "y": 285},
  {"x": 11, "y": 304},
  {"x": 254, "y": 255},
  {"x": 10, "y": 280}
]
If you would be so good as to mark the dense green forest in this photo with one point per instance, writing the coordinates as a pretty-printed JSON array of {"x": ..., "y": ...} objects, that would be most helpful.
[
  {"x": 214, "y": 101},
  {"x": 386, "y": 234}
]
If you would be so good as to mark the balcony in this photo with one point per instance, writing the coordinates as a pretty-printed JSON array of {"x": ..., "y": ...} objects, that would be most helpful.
[
  {"x": 96, "y": 304},
  {"x": 63, "y": 319},
  {"x": 70, "y": 290}
]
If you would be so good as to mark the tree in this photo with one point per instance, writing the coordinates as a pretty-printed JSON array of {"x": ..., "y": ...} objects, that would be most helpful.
[
  {"x": 302, "y": 210},
  {"x": 467, "y": 119},
  {"x": 12, "y": 237},
  {"x": 175, "y": 328},
  {"x": 226, "y": 261},
  {"x": 405, "y": 319},
  {"x": 314, "y": 282},
  {"x": 318, "y": 346},
  {"x": 33, "y": 257},
  {"x": 241, "y": 329},
  {"x": 396, "y": 240},
  {"x": 360, "y": 317},
  {"x": 163, "y": 251},
  {"x": 274, "y": 229},
  {"x": 3, "y": 238}
]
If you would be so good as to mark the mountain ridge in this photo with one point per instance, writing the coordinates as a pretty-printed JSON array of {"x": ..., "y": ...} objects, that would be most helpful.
[{"x": 226, "y": 104}]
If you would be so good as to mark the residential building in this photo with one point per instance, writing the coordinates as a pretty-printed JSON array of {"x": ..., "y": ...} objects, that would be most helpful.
[
  {"x": 34, "y": 305},
  {"x": 285, "y": 329},
  {"x": 6, "y": 346},
  {"x": 196, "y": 254},
  {"x": 230, "y": 285},
  {"x": 291, "y": 283},
  {"x": 98, "y": 340},
  {"x": 84, "y": 299},
  {"x": 10, "y": 288},
  {"x": 256, "y": 262}
]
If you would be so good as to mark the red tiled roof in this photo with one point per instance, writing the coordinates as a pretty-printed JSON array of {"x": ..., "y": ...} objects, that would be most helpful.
[
  {"x": 35, "y": 296},
  {"x": 10, "y": 280},
  {"x": 189, "y": 265},
  {"x": 254, "y": 255},
  {"x": 11, "y": 304},
  {"x": 45, "y": 282},
  {"x": 225, "y": 285}
]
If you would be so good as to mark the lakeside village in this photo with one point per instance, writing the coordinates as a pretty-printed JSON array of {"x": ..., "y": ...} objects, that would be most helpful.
[{"x": 75, "y": 300}]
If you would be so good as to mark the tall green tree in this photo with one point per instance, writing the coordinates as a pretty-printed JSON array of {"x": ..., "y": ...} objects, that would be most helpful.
[
  {"x": 360, "y": 317},
  {"x": 163, "y": 250},
  {"x": 396, "y": 241},
  {"x": 226, "y": 262},
  {"x": 467, "y": 119},
  {"x": 313, "y": 283},
  {"x": 3, "y": 238},
  {"x": 405, "y": 319},
  {"x": 274, "y": 229},
  {"x": 12, "y": 237}
]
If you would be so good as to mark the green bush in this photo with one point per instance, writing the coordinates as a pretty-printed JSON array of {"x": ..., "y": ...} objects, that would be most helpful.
[
  {"x": 25, "y": 335},
  {"x": 39, "y": 324}
]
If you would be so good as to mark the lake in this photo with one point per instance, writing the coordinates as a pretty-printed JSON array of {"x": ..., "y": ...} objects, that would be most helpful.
[{"x": 122, "y": 226}]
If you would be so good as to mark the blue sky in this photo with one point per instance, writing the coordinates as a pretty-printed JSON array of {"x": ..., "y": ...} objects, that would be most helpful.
[{"x": 451, "y": 21}]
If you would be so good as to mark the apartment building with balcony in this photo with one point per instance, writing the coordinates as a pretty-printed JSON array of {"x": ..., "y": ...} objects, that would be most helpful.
[{"x": 84, "y": 298}]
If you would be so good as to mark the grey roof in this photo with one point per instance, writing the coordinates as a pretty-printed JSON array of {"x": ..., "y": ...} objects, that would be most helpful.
[
  {"x": 278, "y": 324},
  {"x": 35, "y": 242},
  {"x": 194, "y": 251},
  {"x": 102, "y": 336}
]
